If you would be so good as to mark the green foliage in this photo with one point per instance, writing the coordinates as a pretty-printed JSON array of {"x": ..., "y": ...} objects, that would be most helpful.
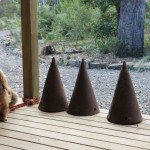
[
  {"x": 147, "y": 43},
  {"x": 90, "y": 24},
  {"x": 101, "y": 46},
  {"x": 3, "y": 22},
  {"x": 9, "y": 8},
  {"x": 16, "y": 40},
  {"x": 74, "y": 20},
  {"x": 9, "y": 14},
  {"x": 104, "y": 5},
  {"x": 107, "y": 44},
  {"x": 62, "y": 61},
  {"x": 106, "y": 25},
  {"x": 10, "y": 19},
  {"x": 46, "y": 19},
  {"x": 145, "y": 59},
  {"x": 6, "y": 23},
  {"x": 141, "y": 63},
  {"x": 147, "y": 27},
  {"x": 91, "y": 49}
]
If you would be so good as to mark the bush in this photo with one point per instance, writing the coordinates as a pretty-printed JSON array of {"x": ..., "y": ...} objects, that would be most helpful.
[
  {"x": 46, "y": 19},
  {"x": 74, "y": 20},
  {"x": 9, "y": 8},
  {"x": 3, "y": 22},
  {"x": 106, "y": 25},
  {"x": 141, "y": 63},
  {"x": 147, "y": 28},
  {"x": 90, "y": 24},
  {"x": 107, "y": 44},
  {"x": 6, "y": 23},
  {"x": 16, "y": 38}
]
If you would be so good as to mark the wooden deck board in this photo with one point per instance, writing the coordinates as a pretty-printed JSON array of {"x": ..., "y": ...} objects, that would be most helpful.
[
  {"x": 22, "y": 144},
  {"x": 138, "y": 129},
  {"x": 29, "y": 128},
  {"x": 6, "y": 147},
  {"x": 101, "y": 117}
]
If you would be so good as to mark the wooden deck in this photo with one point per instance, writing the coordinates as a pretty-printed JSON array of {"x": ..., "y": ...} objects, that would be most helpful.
[{"x": 30, "y": 129}]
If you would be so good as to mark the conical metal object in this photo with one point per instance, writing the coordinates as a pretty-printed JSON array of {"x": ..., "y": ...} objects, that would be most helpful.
[
  {"x": 124, "y": 108},
  {"x": 83, "y": 101},
  {"x": 53, "y": 97}
]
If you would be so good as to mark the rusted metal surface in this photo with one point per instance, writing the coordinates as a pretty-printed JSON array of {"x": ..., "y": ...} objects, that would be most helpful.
[
  {"x": 26, "y": 102},
  {"x": 83, "y": 101},
  {"x": 53, "y": 97},
  {"x": 124, "y": 108},
  {"x": 31, "y": 101}
]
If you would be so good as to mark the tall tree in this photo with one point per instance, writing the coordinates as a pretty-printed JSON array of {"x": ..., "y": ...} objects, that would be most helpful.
[
  {"x": 130, "y": 16},
  {"x": 131, "y": 28}
]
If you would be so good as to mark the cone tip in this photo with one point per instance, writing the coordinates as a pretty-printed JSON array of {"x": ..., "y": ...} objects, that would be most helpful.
[
  {"x": 82, "y": 62},
  {"x": 124, "y": 66},
  {"x": 53, "y": 59},
  {"x": 124, "y": 63},
  {"x": 53, "y": 62}
]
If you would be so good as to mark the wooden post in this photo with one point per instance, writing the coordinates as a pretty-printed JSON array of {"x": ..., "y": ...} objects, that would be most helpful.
[{"x": 30, "y": 48}]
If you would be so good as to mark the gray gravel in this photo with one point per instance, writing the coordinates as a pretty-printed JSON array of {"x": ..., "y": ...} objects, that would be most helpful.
[{"x": 103, "y": 81}]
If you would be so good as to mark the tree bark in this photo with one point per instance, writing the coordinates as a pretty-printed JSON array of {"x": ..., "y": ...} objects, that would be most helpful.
[{"x": 131, "y": 28}]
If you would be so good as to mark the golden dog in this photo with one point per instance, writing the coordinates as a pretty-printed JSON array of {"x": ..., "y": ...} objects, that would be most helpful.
[{"x": 7, "y": 97}]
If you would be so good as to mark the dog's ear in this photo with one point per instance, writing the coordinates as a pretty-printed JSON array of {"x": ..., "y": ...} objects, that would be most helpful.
[
  {"x": 3, "y": 77},
  {"x": 3, "y": 81}
]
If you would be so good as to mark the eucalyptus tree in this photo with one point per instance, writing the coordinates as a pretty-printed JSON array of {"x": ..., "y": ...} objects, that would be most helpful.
[
  {"x": 131, "y": 28},
  {"x": 130, "y": 16}
]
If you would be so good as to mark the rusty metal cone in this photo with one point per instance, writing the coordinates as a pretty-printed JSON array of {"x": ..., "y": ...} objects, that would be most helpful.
[
  {"x": 124, "y": 108},
  {"x": 53, "y": 97},
  {"x": 83, "y": 101}
]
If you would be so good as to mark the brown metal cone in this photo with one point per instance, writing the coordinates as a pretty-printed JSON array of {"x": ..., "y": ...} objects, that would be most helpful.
[
  {"x": 83, "y": 101},
  {"x": 124, "y": 108},
  {"x": 53, "y": 97}
]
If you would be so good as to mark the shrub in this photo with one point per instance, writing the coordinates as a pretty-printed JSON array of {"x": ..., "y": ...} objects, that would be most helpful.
[
  {"x": 9, "y": 8},
  {"x": 46, "y": 19},
  {"x": 6, "y": 23},
  {"x": 141, "y": 63},
  {"x": 74, "y": 20},
  {"x": 107, "y": 44},
  {"x": 16, "y": 38},
  {"x": 106, "y": 25},
  {"x": 147, "y": 28}
]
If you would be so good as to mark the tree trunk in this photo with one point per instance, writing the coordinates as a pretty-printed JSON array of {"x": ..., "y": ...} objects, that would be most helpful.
[{"x": 131, "y": 28}]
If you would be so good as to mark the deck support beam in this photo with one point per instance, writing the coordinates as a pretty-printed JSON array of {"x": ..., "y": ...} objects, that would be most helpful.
[{"x": 30, "y": 48}]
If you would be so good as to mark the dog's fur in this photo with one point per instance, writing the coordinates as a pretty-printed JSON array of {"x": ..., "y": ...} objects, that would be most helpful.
[{"x": 7, "y": 97}]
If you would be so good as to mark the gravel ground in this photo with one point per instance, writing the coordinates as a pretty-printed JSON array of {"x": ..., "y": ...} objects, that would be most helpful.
[{"x": 103, "y": 81}]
